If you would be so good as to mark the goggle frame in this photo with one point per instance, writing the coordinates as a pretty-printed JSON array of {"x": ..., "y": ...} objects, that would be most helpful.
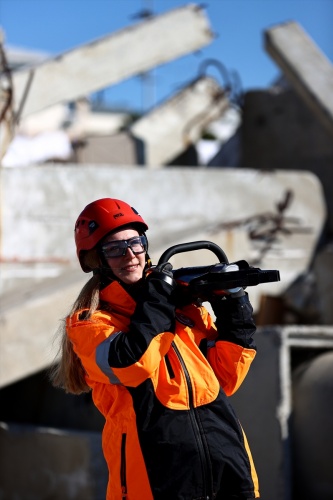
[{"x": 123, "y": 245}]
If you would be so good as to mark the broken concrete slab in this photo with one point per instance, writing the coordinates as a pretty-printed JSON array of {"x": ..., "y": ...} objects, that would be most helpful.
[
  {"x": 279, "y": 131},
  {"x": 29, "y": 321},
  {"x": 173, "y": 126},
  {"x": 238, "y": 209},
  {"x": 210, "y": 201},
  {"x": 305, "y": 66},
  {"x": 116, "y": 149},
  {"x": 106, "y": 61}
]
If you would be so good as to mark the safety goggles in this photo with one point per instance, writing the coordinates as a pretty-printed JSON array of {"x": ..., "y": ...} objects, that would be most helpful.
[{"x": 112, "y": 249}]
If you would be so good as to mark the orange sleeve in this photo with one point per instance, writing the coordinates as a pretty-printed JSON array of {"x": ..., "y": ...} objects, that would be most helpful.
[
  {"x": 86, "y": 336},
  {"x": 91, "y": 341},
  {"x": 231, "y": 363}
]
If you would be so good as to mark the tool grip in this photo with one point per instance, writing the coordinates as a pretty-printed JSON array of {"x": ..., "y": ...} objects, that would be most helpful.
[{"x": 194, "y": 245}]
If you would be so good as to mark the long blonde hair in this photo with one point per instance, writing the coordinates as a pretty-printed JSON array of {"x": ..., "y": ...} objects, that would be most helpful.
[{"x": 68, "y": 373}]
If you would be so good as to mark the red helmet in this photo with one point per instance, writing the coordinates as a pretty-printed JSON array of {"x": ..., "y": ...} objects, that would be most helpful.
[{"x": 98, "y": 219}]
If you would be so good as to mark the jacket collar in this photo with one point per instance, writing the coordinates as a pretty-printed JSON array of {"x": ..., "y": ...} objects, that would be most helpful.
[{"x": 120, "y": 301}]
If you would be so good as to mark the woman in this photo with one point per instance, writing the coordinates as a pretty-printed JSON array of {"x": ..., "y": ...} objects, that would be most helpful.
[{"x": 159, "y": 369}]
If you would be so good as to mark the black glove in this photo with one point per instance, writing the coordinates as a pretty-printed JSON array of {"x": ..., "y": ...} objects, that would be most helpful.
[
  {"x": 155, "y": 310},
  {"x": 234, "y": 320},
  {"x": 162, "y": 272},
  {"x": 154, "y": 314}
]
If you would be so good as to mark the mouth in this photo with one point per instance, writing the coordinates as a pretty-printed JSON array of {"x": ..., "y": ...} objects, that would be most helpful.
[{"x": 130, "y": 268}]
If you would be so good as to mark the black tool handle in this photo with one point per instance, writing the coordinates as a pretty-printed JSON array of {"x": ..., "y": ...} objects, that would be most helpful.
[{"x": 194, "y": 245}]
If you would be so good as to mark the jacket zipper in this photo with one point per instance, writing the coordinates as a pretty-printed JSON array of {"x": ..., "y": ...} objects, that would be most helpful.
[
  {"x": 123, "y": 467},
  {"x": 203, "y": 451}
]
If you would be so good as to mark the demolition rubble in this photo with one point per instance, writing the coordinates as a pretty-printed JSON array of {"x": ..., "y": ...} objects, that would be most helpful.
[{"x": 251, "y": 173}]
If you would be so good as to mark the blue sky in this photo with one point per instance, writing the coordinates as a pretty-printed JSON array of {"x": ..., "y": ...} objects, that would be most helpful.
[{"x": 55, "y": 26}]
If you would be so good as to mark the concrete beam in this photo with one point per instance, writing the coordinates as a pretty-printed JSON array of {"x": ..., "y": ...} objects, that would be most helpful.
[
  {"x": 170, "y": 128},
  {"x": 226, "y": 206},
  {"x": 305, "y": 66},
  {"x": 109, "y": 60},
  {"x": 29, "y": 325}
]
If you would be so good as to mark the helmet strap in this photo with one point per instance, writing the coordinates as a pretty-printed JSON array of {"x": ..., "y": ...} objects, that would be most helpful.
[{"x": 148, "y": 262}]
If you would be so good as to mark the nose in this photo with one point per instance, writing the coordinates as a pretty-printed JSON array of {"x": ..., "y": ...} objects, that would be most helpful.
[{"x": 129, "y": 249}]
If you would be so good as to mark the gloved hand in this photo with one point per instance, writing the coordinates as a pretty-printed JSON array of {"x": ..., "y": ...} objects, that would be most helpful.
[
  {"x": 162, "y": 272},
  {"x": 154, "y": 314},
  {"x": 155, "y": 310}
]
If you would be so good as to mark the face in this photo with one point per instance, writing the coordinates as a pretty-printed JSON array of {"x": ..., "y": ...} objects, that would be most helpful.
[{"x": 129, "y": 267}]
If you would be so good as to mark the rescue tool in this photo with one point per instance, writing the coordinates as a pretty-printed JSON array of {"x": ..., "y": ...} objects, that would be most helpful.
[{"x": 204, "y": 280}]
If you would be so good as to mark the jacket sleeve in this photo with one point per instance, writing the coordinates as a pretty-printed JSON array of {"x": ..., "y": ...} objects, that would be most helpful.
[
  {"x": 125, "y": 350},
  {"x": 116, "y": 353},
  {"x": 154, "y": 315},
  {"x": 234, "y": 349}
]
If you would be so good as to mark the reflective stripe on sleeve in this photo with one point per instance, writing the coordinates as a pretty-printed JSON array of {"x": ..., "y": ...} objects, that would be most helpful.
[
  {"x": 210, "y": 344},
  {"x": 102, "y": 359}
]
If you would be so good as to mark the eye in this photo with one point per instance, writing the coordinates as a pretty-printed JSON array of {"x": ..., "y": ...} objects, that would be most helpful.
[
  {"x": 135, "y": 242},
  {"x": 112, "y": 249}
]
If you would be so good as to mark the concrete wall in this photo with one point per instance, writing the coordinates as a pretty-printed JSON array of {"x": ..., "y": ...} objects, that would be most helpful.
[
  {"x": 43, "y": 463},
  {"x": 280, "y": 132},
  {"x": 39, "y": 206}
]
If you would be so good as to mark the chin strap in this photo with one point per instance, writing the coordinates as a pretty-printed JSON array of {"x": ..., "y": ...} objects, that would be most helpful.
[{"x": 148, "y": 262}]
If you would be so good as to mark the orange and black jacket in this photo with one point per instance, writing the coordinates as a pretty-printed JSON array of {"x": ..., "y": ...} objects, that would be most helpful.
[{"x": 161, "y": 376}]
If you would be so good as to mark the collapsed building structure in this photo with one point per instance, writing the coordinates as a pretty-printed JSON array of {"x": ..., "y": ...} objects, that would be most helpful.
[{"x": 269, "y": 203}]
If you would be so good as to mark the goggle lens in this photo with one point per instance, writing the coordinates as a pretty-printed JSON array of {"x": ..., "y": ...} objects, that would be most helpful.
[{"x": 112, "y": 249}]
